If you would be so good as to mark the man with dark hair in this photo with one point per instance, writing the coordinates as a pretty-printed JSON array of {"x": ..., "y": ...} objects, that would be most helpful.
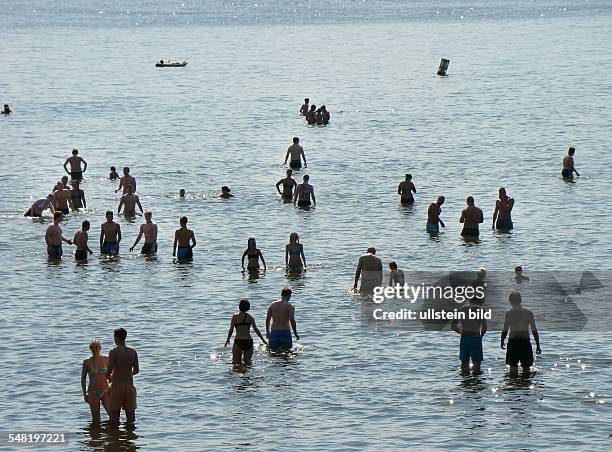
[
  {"x": 54, "y": 237},
  {"x": 471, "y": 217},
  {"x": 303, "y": 193},
  {"x": 122, "y": 366},
  {"x": 568, "y": 164},
  {"x": 405, "y": 189},
  {"x": 279, "y": 322},
  {"x": 473, "y": 328},
  {"x": 126, "y": 181},
  {"x": 185, "y": 240},
  {"x": 76, "y": 173},
  {"x": 370, "y": 269},
  {"x": 297, "y": 154},
  {"x": 433, "y": 216},
  {"x": 149, "y": 230},
  {"x": 80, "y": 240},
  {"x": 288, "y": 184},
  {"x": 110, "y": 236},
  {"x": 519, "y": 320}
]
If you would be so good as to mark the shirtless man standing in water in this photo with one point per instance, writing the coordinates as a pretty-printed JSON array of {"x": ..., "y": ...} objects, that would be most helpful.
[
  {"x": 76, "y": 173},
  {"x": 288, "y": 184},
  {"x": 370, "y": 269},
  {"x": 63, "y": 200},
  {"x": 297, "y": 154},
  {"x": 503, "y": 211},
  {"x": 122, "y": 366},
  {"x": 126, "y": 181},
  {"x": 405, "y": 189},
  {"x": 303, "y": 193},
  {"x": 185, "y": 240},
  {"x": 279, "y": 322},
  {"x": 110, "y": 236},
  {"x": 129, "y": 200},
  {"x": 54, "y": 237},
  {"x": 80, "y": 240},
  {"x": 568, "y": 165},
  {"x": 149, "y": 230},
  {"x": 471, "y": 217},
  {"x": 433, "y": 216},
  {"x": 519, "y": 320}
]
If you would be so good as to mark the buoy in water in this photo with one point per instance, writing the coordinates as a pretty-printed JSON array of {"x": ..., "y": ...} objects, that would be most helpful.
[{"x": 443, "y": 66}]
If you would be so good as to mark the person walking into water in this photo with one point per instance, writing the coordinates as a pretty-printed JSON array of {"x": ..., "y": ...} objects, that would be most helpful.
[
  {"x": 110, "y": 236},
  {"x": 568, "y": 164},
  {"x": 280, "y": 320},
  {"x": 242, "y": 321},
  {"x": 297, "y": 155},
  {"x": 502, "y": 216},
  {"x": 518, "y": 321},
  {"x": 54, "y": 237},
  {"x": 370, "y": 269},
  {"x": 471, "y": 217},
  {"x": 129, "y": 201},
  {"x": 405, "y": 189},
  {"x": 77, "y": 195},
  {"x": 288, "y": 184},
  {"x": 303, "y": 193},
  {"x": 185, "y": 240},
  {"x": 76, "y": 172},
  {"x": 126, "y": 181},
  {"x": 396, "y": 276},
  {"x": 294, "y": 253},
  {"x": 80, "y": 240},
  {"x": 95, "y": 368},
  {"x": 149, "y": 230},
  {"x": 472, "y": 327},
  {"x": 122, "y": 366},
  {"x": 433, "y": 216},
  {"x": 254, "y": 255}
]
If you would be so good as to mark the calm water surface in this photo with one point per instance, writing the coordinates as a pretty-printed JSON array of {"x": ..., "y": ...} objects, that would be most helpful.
[{"x": 525, "y": 81}]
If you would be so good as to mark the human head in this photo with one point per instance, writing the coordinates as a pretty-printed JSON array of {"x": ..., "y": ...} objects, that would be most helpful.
[
  {"x": 392, "y": 265},
  {"x": 470, "y": 200},
  {"x": 50, "y": 196},
  {"x": 294, "y": 237},
  {"x": 148, "y": 215},
  {"x": 296, "y": 140},
  {"x": 289, "y": 173},
  {"x": 65, "y": 180},
  {"x": 372, "y": 250},
  {"x": 408, "y": 176},
  {"x": 313, "y": 107},
  {"x": 109, "y": 215},
  {"x": 95, "y": 345},
  {"x": 518, "y": 269},
  {"x": 182, "y": 192},
  {"x": 58, "y": 216},
  {"x": 120, "y": 334},
  {"x": 75, "y": 151},
  {"x": 244, "y": 305},
  {"x": 85, "y": 225},
  {"x": 571, "y": 150},
  {"x": 251, "y": 243},
  {"x": 113, "y": 169},
  {"x": 306, "y": 178},
  {"x": 502, "y": 192},
  {"x": 126, "y": 170},
  {"x": 286, "y": 293},
  {"x": 515, "y": 298},
  {"x": 183, "y": 221},
  {"x": 225, "y": 189},
  {"x": 481, "y": 274},
  {"x": 6, "y": 107},
  {"x": 323, "y": 107},
  {"x": 440, "y": 200},
  {"x": 306, "y": 100}
]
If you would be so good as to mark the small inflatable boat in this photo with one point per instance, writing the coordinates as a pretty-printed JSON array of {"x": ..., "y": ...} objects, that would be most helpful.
[{"x": 169, "y": 63}]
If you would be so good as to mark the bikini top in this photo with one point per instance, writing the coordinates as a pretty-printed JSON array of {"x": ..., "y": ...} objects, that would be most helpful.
[
  {"x": 253, "y": 256},
  {"x": 244, "y": 320},
  {"x": 91, "y": 371}
]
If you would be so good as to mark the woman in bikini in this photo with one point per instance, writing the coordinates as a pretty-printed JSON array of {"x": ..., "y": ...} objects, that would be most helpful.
[
  {"x": 294, "y": 253},
  {"x": 95, "y": 367},
  {"x": 242, "y": 350},
  {"x": 253, "y": 253}
]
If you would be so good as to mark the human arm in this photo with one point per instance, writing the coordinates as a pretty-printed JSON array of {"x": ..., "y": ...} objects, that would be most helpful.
[
  {"x": 302, "y": 254},
  {"x": 314, "y": 201},
  {"x": 175, "y": 243},
  {"x": 140, "y": 233},
  {"x": 504, "y": 332},
  {"x": 357, "y": 274},
  {"x": 495, "y": 212},
  {"x": 66, "y": 165},
  {"x": 135, "y": 365},
  {"x": 118, "y": 233},
  {"x": 120, "y": 185},
  {"x": 293, "y": 324},
  {"x": 286, "y": 255},
  {"x": 84, "y": 379},
  {"x": 230, "y": 332},
  {"x": 286, "y": 157},
  {"x": 399, "y": 189},
  {"x": 263, "y": 261},
  {"x": 83, "y": 199},
  {"x": 412, "y": 188},
  {"x": 534, "y": 332},
  {"x": 268, "y": 318},
  {"x": 455, "y": 326},
  {"x": 257, "y": 331},
  {"x": 193, "y": 240},
  {"x": 120, "y": 206},
  {"x": 296, "y": 193},
  {"x": 84, "y": 165},
  {"x": 304, "y": 158},
  {"x": 483, "y": 326},
  {"x": 111, "y": 365},
  {"x": 101, "y": 237},
  {"x": 139, "y": 205},
  {"x": 243, "y": 256},
  {"x": 462, "y": 217}
]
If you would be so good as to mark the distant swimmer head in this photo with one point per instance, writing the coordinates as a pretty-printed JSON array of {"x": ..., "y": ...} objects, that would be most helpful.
[
  {"x": 244, "y": 305},
  {"x": 95, "y": 344},
  {"x": 148, "y": 214},
  {"x": 58, "y": 216},
  {"x": 126, "y": 170},
  {"x": 515, "y": 298},
  {"x": 294, "y": 237},
  {"x": 251, "y": 243},
  {"x": 372, "y": 250},
  {"x": 182, "y": 192},
  {"x": 286, "y": 293},
  {"x": 306, "y": 100},
  {"x": 323, "y": 108},
  {"x": 85, "y": 225},
  {"x": 313, "y": 107},
  {"x": 183, "y": 221},
  {"x": 7, "y": 109},
  {"x": 440, "y": 200},
  {"x": 393, "y": 265},
  {"x": 571, "y": 150},
  {"x": 518, "y": 269},
  {"x": 296, "y": 140},
  {"x": 470, "y": 200},
  {"x": 64, "y": 180},
  {"x": 109, "y": 215},
  {"x": 113, "y": 169},
  {"x": 120, "y": 334},
  {"x": 225, "y": 189},
  {"x": 408, "y": 176}
]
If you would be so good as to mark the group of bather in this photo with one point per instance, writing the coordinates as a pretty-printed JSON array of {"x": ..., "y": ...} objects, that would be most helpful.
[{"x": 313, "y": 115}]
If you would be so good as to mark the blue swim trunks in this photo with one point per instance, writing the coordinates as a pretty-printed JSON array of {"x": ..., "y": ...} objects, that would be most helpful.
[
  {"x": 433, "y": 228},
  {"x": 506, "y": 224},
  {"x": 184, "y": 253},
  {"x": 110, "y": 248},
  {"x": 470, "y": 347},
  {"x": 280, "y": 339}
]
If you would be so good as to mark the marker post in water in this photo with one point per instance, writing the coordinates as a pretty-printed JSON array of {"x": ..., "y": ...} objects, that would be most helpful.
[{"x": 443, "y": 67}]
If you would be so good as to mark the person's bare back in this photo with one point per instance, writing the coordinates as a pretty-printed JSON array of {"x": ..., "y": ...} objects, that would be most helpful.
[
  {"x": 123, "y": 360},
  {"x": 281, "y": 312}
]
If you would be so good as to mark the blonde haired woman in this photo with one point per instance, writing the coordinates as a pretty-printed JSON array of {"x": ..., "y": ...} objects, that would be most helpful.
[
  {"x": 95, "y": 367},
  {"x": 294, "y": 253}
]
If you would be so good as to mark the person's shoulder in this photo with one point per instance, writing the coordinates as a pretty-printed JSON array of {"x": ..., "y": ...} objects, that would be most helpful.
[{"x": 86, "y": 362}]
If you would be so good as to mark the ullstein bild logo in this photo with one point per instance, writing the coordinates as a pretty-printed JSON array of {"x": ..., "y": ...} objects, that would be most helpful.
[{"x": 560, "y": 301}]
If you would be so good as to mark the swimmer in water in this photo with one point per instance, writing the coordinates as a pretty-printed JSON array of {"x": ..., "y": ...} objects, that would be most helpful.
[
  {"x": 110, "y": 236},
  {"x": 303, "y": 193},
  {"x": 370, "y": 269},
  {"x": 182, "y": 193},
  {"x": 396, "y": 276},
  {"x": 225, "y": 192},
  {"x": 325, "y": 114},
  {"x": 95, "y": 367},
  {"x": 471, "y": 217},
  {"x": 472, "y": 331},
  {"x": 129, "y": 201},
  {"x": 518, "y": 275},
  {"x": 433, "y": 216},
  {"x": 568, "y": 165},
  {"x": 304, "y": 108},
  {"x": 502, "y": 216},
  {"x": 61, "y": 184},
  {"x": 126, "y": 181},
  {"x": 280, "y": 319},
  {"x": 185, "y": 240},
  {"x": 7, "y": 110},
  {"x": 62, "y": 199},
  {"x": 80, "y": 240},
  {"x": 149, "y": 230},
  {"x": 39, "y": 206},
  {"x": 319, "y": 117},
  {"x": 77, "y": 195},
  {"x": 288, "y": 184},
  {"x": 297, "y": 154},
  {"x": 122, "y": 366},
  {"x": 294, "y": 253},
  {"x": 405, "y": 189},
  {"x": 242, "y": 350},
  {"x": 518, "y": 321},
  {"x": 311, "y": 116},
  {"x": 76, "y": 173},
  {"x": 254, "y": 255},
  {"x": 54, "y": 237},
  {"x": 113, "y": 175}
]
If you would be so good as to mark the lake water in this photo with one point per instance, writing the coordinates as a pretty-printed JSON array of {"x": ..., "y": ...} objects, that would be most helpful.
[{"x": 525, "y": 81}]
